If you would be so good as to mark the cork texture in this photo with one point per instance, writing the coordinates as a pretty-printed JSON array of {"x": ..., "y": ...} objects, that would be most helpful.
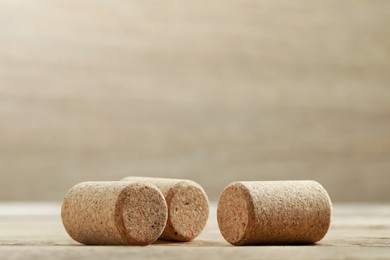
[
  {"x": 274, "y": 212},
  {"x": 188, "y": 207},
  {"x": 114, "y": 213}
]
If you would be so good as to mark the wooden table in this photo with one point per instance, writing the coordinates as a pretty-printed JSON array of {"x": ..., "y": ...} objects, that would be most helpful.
[{"x": 35, "y": 231}]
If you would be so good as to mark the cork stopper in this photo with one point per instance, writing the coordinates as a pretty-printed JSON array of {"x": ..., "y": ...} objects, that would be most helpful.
[
  {"x": 188, "y": 207},
  {"x": 114, "y": 213},
  {"x": 274, "y": 212}
]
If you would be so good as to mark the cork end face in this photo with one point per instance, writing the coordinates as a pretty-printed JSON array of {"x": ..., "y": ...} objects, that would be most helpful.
[
  {"x": 188, "y": 209},
  {"x": 326, "y": 215},
  {"x": 234, "y": 213},
  {"x": 141, "y": 213}
]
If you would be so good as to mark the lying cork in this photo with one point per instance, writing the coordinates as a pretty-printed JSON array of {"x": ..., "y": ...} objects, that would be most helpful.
[
  {"x": 114, "y": 213},
  {"x": 274, "y": 212},
  {"x": 188, "y": 207}
]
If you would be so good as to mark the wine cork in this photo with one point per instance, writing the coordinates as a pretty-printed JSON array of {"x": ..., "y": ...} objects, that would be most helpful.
[
  {"x": 188, "y": 207},
  {"x": 114, "y": 213},
  {"x": 274, "y": 212}
]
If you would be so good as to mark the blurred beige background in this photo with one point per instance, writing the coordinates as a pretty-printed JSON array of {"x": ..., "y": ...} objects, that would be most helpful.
[{"x": 214, "y": 91}]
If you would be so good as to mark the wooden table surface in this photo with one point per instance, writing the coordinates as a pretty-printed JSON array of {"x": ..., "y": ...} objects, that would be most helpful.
[{"x": 35, "y": 231}]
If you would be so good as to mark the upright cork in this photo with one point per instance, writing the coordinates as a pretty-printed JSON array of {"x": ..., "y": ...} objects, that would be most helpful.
[
  {"x": 188, "y": 207},
  {"x": 114, "y": 213},
  {"x": 274, "y": 212}
]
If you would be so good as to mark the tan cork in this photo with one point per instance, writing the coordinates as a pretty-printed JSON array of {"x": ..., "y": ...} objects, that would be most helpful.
[
  {"x": 274, "y": 212},
  {"x": 188, "y": 207},
  {"x": 114, "y": 213}
]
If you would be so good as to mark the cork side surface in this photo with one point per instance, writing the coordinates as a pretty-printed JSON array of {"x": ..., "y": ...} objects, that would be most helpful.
[
  {"x": 235, "y": 213},
  {"x": 114, "y": 213},
  {"x": 141, "y": 213},
  {"x": 88, "y": 213},
  {"x": 289, "y": 212}
]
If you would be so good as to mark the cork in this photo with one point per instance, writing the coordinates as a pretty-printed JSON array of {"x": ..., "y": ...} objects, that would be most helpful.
[
  {"x": 188, "y": 207},
  {"x": 114, "y": 213},
  {"x": 274, "y": 212}
]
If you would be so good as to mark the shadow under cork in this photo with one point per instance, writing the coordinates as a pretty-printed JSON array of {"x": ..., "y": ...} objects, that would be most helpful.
[
  {"x": 192, "y": 243},
  {"x": 213, "y": 243},
  {"x": 161, "y": 243},
  {"x": 295, "y": 244}
]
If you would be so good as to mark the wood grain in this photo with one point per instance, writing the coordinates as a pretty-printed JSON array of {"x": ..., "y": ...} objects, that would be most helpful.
[
  {"x": 236, "y": 90},
  {"x": 359, "y": 231}
]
